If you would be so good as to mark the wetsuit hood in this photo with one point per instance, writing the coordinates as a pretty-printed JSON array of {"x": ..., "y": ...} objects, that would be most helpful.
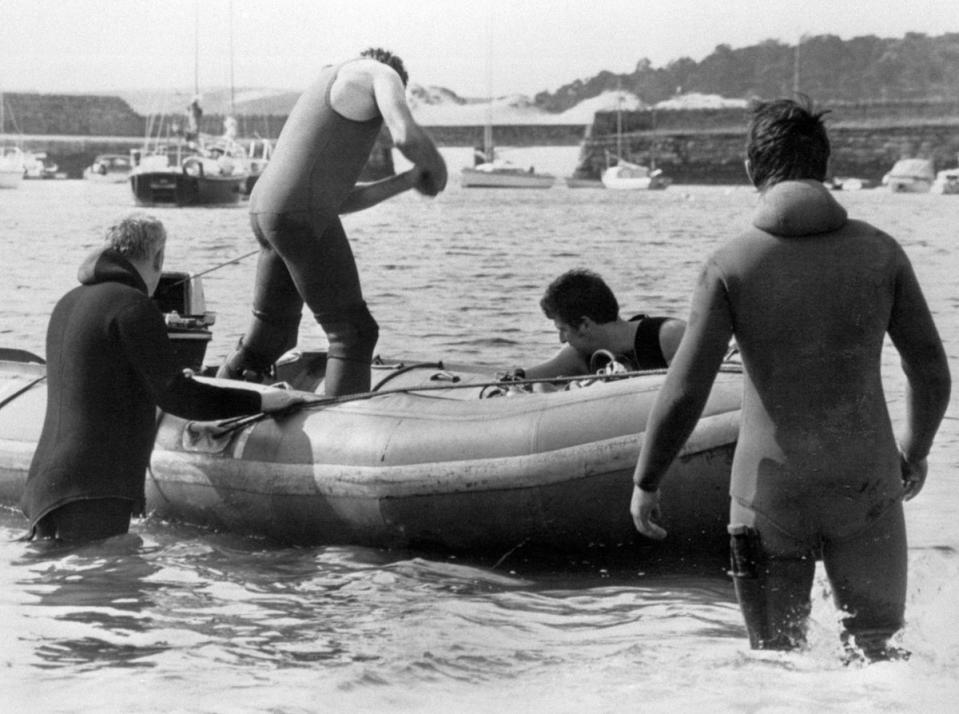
[
  {"x": 105, "y": 265},
  {"x": 798, "y": 208}
]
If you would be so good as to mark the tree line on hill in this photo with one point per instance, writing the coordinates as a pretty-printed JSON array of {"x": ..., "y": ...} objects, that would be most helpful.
[
  {"x": 824, "y": 67},
  {"x": 866, "y": 70}
]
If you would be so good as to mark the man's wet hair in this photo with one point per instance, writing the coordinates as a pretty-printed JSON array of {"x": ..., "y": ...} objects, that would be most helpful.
[
  {"x": 389, "y": 59},
  {"x": 579, "y": 293},
  {"x": 786, "y": 140},
  {"x": 138, "y": 236}
]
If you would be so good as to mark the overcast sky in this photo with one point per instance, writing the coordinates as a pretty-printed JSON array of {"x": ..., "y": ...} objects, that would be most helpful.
[{"x": 102, "y": 45}]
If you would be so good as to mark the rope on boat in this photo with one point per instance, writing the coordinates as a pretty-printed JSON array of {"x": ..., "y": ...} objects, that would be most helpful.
[
  {"x": 404, "y": 369},
  {"x": 226, "y": 426},
  {"x": 210, "y": 270},
  {"x": 25, "y": 388}
]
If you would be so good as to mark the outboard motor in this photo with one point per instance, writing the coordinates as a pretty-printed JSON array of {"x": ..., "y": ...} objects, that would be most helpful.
[{"x": 181, "y": 300}]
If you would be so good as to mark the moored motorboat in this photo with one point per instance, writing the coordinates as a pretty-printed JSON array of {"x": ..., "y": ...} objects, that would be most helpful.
[
  {"x": 946, "y": 183},
  {"x": 11, "y": 167},
  {"x": 503, "y": 174},
  {"x": 435, "y": 456},
  {"x": 195, "y": 178},
  {"x": 108, "y": 168},
  {"x": 189, "y": 168},
  {"x": 628, "y": 176},
  {"x": 910, "y": 176},
  {"x": 37, "y": 165},
  {"x": 257, "y": 159},
  {"x": 851, "y": 183}
]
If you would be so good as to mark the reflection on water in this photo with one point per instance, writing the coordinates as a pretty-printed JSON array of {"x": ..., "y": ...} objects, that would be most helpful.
[
  {"x": 100, "y": 595},
  {"x": 174, "y": 598},
  {"x": 174, "y": 618}
]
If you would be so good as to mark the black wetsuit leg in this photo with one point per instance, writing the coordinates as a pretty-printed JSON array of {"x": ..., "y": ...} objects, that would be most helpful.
[
  {"x": 309, "y": 260},
  {"x": 773, "y": 574},
  {"x": 277, "y": 300},
  {"x": 868, "y": 573},
  {"x": 334, "y": 295},
  {"x": 86, "y": 520}
]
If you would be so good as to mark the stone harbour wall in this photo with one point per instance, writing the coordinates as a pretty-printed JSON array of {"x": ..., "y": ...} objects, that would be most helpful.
[
  {"x": 708, "y": 146},
  {"x": 717, "y": 156},
  {"x": 690, "y": 145}
]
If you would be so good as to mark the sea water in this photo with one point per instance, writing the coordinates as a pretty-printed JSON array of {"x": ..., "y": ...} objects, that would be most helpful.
[{"x": 174, "y": 618}]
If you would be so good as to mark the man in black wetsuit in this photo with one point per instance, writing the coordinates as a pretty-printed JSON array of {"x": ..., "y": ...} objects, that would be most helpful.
[
  {"x": 305, "y": 255},
  {"x": 586, "y": 314},
  {"x": 109, "y": 365},
  {"x": 810, "y": 296}
]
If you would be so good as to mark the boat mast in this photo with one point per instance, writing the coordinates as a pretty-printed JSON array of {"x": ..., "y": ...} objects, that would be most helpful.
[
  {"x": 652, "y": 137},
  {"x": 194, "y": 117},
  {"x": 619, "y": 123},
  {"x": 488, "y": 149},
  {"x": 232, "y": 80},
  {"x": 196, "y": 49}
]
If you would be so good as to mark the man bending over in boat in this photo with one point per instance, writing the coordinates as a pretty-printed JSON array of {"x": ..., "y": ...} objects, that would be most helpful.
[
  {"x": 294, "y": 209},
  {"x": 109, "y": 365},
  {"x": 810, "y": 296},
  {"x": 586, "y": 315}
]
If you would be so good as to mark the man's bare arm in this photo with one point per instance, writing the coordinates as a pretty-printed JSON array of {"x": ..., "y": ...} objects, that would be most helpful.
[{"x": 408, "y": 136}]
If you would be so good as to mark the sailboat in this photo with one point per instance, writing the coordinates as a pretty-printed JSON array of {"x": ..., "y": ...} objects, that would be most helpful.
[
  {"x": 626, "y": 175},
  {"x": 11, "y": 159},
  {"x": 488, "y": 169},
  {"x": 491, "y": 171},
  {"x": 188, "y": 168}
]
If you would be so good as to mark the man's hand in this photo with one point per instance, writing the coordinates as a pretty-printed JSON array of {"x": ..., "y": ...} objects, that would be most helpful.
[
  {"x": 644, "y": 508},
  {"x": 913, "y": 476},
  {"x": 429, "y": 181}
]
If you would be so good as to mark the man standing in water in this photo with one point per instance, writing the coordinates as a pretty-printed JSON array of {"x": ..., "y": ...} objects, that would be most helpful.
[
  {"x": 109, "y": 365},
  {"x": 311, "y": 179},
  {"x": 809, "y": 296}
]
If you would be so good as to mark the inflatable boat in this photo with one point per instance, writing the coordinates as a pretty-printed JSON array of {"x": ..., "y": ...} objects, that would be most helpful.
[{"x": 435, "y": 456}]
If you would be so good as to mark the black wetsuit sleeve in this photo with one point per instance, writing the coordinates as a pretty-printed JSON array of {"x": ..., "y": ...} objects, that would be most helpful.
[{"x": 143, "y": 336}]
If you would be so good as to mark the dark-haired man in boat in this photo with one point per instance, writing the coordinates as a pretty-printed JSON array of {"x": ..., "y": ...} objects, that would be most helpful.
[
  {"x": 109, "y": 365},
  {"x": 810, "y": 296},
  {"x": 586, "y": 315},
  {"x": 295, "y": 206}
]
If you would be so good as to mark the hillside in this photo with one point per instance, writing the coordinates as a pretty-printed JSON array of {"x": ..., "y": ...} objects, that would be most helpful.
[{"x": 825, "y": 67}]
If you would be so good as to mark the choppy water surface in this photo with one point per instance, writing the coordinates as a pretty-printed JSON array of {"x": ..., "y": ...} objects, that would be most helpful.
[{"x": 178, "y": 619}]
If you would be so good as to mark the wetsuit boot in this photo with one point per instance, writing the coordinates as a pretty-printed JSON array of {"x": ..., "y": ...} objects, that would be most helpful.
[
  {"x": 773, "y": 593},
  {"x": 245, "y": 365},
  {"x": 351, "y": 345},
  {"x": 266, "y": 339}
]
